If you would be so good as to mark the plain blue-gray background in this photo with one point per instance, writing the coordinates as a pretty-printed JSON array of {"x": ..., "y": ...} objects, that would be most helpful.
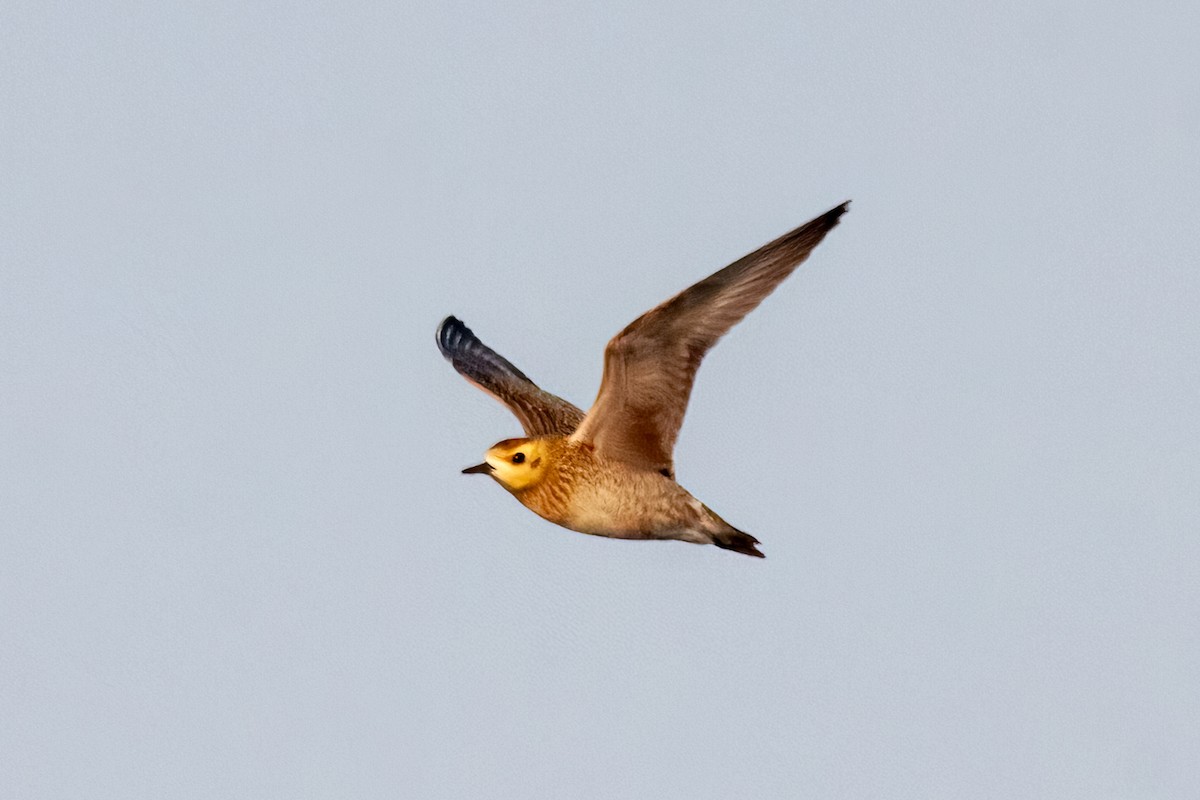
[{"x": 237, "y": 559}]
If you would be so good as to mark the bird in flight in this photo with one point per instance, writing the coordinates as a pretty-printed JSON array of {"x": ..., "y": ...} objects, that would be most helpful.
[{"x": 610, "y": 472}]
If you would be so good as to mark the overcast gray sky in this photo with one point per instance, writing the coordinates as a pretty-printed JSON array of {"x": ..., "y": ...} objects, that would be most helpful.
[{"x": 237, "y": 559}]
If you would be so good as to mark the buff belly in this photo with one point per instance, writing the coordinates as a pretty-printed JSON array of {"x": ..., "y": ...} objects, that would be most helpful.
[{"x": 646, "y": 516}]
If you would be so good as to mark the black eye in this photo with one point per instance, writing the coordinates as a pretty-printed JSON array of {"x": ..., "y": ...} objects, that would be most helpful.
[{"x": 519, "y": 458}]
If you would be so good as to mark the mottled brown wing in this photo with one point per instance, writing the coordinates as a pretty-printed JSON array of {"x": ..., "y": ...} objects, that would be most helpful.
[
  {"x": 649, "y": 367},
  {"x": 540, "y": 412}
]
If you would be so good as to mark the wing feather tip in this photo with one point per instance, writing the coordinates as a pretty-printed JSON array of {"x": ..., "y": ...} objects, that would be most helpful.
[
  {"x": 833, "y": 215},
  {"x": 450, "y": 334}
]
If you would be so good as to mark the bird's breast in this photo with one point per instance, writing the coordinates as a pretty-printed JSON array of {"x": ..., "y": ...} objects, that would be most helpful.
[{"x": 592, "y": 496}]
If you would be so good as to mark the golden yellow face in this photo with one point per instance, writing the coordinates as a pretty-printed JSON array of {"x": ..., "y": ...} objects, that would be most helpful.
[{"x": 515, "y": 463}]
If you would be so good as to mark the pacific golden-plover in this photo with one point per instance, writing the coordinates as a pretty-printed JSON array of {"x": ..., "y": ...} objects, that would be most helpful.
[{"x": 610, "y": 472}]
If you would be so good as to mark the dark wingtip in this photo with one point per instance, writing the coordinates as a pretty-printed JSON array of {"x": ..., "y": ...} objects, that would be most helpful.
[
  {"x": 834, "y": 214},
  {"x": 794, "y": 246},
  {"x": 450, "y": 333},
  {"x": 460, "y": 345}
]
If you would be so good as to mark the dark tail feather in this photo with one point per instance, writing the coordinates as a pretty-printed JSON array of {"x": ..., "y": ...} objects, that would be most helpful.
[{"x": 738, "y": 542}]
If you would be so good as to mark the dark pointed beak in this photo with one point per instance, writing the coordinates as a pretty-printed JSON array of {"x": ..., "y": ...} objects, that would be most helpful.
[{"x": 479, "y": 469}]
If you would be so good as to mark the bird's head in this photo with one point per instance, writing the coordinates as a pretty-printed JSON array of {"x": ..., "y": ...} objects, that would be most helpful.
[{"x": 515, "y": 464}]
